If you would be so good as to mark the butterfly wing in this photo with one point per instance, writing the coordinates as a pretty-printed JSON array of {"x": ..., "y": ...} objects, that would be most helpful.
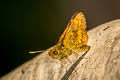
[{"x": 75, "y": 34}]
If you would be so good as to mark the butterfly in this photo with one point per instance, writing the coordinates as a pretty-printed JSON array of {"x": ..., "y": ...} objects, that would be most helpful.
[{"x": 74, "y": 39}]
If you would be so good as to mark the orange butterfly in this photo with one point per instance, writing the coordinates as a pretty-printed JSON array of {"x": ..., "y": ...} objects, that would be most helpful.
[{"x": 72, "y": 40}]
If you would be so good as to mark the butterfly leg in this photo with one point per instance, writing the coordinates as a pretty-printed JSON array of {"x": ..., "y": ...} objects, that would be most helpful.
[{"x": 76, "y": 54}]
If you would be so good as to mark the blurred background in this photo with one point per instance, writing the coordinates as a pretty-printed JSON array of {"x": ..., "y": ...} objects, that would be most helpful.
[{"x": 37, "y": 25}]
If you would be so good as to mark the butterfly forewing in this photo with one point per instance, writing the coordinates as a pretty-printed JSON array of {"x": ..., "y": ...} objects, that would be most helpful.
[{"x": 75, "y": 34}]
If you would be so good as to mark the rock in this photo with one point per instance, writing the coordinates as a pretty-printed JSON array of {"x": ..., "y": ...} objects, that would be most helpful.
[{"x": 101, "y": 62}]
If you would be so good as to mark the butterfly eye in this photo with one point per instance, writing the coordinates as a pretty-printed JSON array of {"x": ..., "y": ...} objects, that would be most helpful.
[{"x": 55, "y": 52}]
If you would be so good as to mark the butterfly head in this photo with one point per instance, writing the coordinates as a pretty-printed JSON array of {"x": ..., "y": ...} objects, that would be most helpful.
[{"x": 58, "y": 53}]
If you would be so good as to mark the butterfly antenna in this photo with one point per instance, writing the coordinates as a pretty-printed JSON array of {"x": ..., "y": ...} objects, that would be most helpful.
[{"x": 32, "y": 52}]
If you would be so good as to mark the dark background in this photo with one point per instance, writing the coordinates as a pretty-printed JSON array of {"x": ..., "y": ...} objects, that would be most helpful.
[{"x": 37, "y": 25}]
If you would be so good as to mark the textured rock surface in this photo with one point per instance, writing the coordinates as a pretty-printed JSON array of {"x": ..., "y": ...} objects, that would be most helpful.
[{"x": 102, "y": 62}]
